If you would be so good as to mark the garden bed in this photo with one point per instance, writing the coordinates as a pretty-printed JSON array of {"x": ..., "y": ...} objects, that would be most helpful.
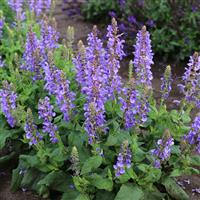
[{"x": 73, "y": 161}]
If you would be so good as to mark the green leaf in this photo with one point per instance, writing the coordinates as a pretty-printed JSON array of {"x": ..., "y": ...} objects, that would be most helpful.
[
  {"x": 5, "y": 134},
  {"x": 100, "y": 182},
  {"x": 195, "y": 160},
  {"x": 185, "y": 118},
  {"x": 3, "y": 137},
  {"x": 117, "y": 137},
  {"x": 90, "y": 164},
  {"x": 35, "y": 162},
  {"x": 16, "y": 179},
  {"x": 111, "y": 141},
  {"x": 175, "y": 150},
  {"x": 70, "y": 195},
  {"x": 174, "y": 189},
  {"x": 56, "y": 180},
  {"x": 81, "y": 184},
  {"x": 129, "y": 192},
  {"x": 124, "y": 178},
  {"x": 176, "y": 172},
  {"x": 29, "y": 177},
  {"x": 82, "y": 197},
  {"x": 76, "y": 139},
  {"x": 104, "y": 195},
  {"x": 154, "y": 195}
]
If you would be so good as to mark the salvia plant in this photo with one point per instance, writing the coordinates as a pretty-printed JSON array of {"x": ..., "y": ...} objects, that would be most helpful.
[{"x": 78, "y": 128}]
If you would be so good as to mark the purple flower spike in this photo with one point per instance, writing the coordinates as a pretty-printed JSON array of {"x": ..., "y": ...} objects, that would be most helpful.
[
  {"x": 49, "y": 36},
  {"x": 2, "y": 21},
  {"x": 95, "y": 86},
  {"x": 38, "y": 6},
  {"x": 193, "y": 137},
  {"x": 57, "y": 85},
  {"x": 16, "y": 6},
  {"x": 45, "y": 111},
  {"x": 32, "y": 56},
  {"x": 123, "y": 160},
  {"x": 32, "y": 134},
  {"x": 166, "y": 83},
  {"x": 134, "y": 106},
  {"x": 163, "y": 149},
  {"x": 114, "y": 55},
  {"x": 191, "y": 79},
  {"x": 80, "y": 64},
  {"x": 130, "y": 105},
  {"x": 143, "y": 58},
  {"x": 64, "y": 97},
  {"x": 8, "y": 102}
]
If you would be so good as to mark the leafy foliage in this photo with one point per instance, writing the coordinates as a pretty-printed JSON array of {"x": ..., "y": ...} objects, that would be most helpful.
[{"x": 173, "y": 24}]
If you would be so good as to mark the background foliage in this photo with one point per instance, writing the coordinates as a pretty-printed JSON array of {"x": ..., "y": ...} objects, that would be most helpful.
[{"x": 173, "y": 24}]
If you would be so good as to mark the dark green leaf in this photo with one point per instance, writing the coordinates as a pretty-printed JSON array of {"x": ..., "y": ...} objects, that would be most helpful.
[
  {"x": 92, "y": 163},
  {"x": 195, "y": 160},
  {"x": 16, "y": 179},
  {"x": 70, "y": 195},
  {"x": 82, "y": 197},
  {"x": 104, "y": 195},
  {"x": 100, "y": 182},
  {"x": 176, "y": 172},
  {"x": 56, "y": 180},
  {"x": 129, "y": 192},
  {"x": 174, "y": 189}
]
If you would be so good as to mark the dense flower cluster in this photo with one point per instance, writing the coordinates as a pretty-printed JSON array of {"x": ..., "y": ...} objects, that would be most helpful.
[
  {"x": 49, "y": 36},
  {"x": 135, "y": 106},
  {"x": 17, "y": 7},
  {"x": 143, "y": 58},
  {"x": 37, "y": 6},
  {"x": 51, "y": 75},
  {"x": 193, "y": 137},
  {"x": 2, "y": 21},
  {"x": 45, "y": 111},
  {"x": 57, "y": 85},
  {"x": 32, "y": 134},
  {"x": 95, "y": 81},
  {"x": 163, "y": 149},
  {"x": 64, "y": 97},
  {"x": 36, "y": 55},
  {"x": 123, "y": 159},
  {"x": 115, "y": 53},
  {"x": 8, "y": 103},
  {"x": 130, "y": 105},
  {"x": 80, "y": 64},
  {"x": 32, "y": 56},
  {"x": 191, "y": 79},
  {"x": 166, "y": 83}
]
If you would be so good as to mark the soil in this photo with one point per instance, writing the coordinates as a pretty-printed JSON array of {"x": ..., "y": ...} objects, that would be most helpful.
[
  {"x": 82, "y": 28},
  {"x": 5, "y": 194}
]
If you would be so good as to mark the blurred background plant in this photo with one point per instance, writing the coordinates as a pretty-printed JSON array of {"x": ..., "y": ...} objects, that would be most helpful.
[
  {"x": 8, "y": 14},
  {"x": 173, "y": 24}
]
